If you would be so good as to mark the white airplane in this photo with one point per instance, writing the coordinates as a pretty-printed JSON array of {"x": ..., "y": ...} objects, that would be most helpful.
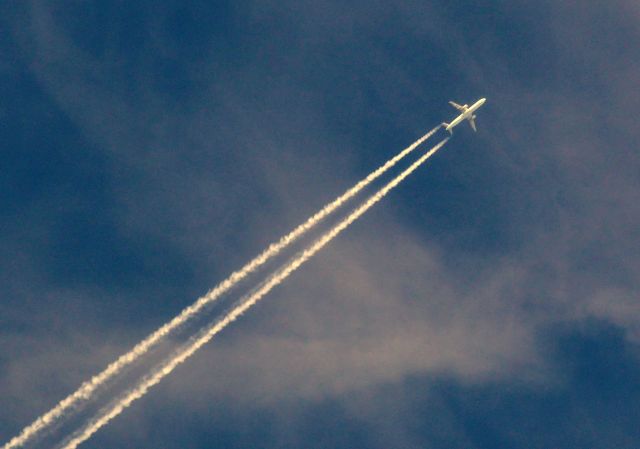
[{"x": 467, "y": 113}]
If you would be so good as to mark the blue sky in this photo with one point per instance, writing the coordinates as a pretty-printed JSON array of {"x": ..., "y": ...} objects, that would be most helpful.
[{"x": 491, "y": 301}]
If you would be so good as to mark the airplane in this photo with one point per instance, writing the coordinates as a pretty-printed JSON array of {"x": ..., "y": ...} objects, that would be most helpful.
[{"x": 467, "y": 113}]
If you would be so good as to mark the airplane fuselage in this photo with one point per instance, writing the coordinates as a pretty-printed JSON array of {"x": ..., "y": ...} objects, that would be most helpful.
[{"x": 467, "y": 114}]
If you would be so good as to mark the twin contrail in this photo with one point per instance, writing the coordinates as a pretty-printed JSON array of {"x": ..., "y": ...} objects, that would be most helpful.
[
  {"x": 205, "y": 336},
  {"x": 88, "y": 388}
]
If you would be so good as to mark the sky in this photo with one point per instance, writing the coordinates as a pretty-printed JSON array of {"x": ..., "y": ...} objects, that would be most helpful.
[{"x": 150, "y": 148}]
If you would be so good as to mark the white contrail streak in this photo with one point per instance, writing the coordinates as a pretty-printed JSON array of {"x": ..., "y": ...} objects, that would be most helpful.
[
  {"x": 87, "y": 389},
  {"x": 156, "y": 376}
]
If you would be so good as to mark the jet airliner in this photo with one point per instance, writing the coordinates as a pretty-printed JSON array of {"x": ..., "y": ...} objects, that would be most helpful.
[{"x": 467, "y": 113}]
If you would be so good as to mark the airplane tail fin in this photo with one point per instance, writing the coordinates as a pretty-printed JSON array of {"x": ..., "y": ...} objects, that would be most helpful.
[{"x": 445, "y": 124}]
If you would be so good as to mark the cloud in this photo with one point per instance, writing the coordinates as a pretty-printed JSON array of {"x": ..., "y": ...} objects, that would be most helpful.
[{"x": 344, "y": 324}]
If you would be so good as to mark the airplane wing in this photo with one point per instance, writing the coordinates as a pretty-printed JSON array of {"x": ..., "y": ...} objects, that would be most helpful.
[
  {"x": 472, "y": 123},
  {"x": 457, "y": 106}
]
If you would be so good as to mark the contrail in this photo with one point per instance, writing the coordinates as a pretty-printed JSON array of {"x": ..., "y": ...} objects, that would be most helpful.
[
  {"x": 168, "y": 366},
  {"x": 87, "y": 389}
]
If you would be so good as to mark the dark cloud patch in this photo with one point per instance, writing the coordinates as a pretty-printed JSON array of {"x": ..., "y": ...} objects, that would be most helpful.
[{"x": 587, "y": 405}]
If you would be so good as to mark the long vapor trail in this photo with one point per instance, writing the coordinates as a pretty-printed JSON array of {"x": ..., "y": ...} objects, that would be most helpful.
[
  {"x": 87, "y": 389},
  {"x": 202, "y": 338}
]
